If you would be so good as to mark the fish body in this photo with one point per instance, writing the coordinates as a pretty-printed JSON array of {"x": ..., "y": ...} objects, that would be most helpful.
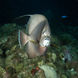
[
  {"x": 67, "y": 55},
  {"x": 38, "y": 38}
]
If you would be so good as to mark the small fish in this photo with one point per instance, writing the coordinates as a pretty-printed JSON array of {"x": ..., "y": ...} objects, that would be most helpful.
[
  {"x": 38, "y": 38},
  {"x": 67, "y": 55},
  {"x": 64, "y": 17}
]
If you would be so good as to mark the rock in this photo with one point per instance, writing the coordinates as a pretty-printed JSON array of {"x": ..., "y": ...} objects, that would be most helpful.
[
  {"x": 40, "y": 74},
  {"x": 13, "y": 48},
  {"x": 49, "y": 71},
  {"x": 40, "y": 63},
  {"x": 54, "y": 57},
  {"x": 1, "y": 51},
  {"x": 2, "y": 72},
  {"x": 63, "y": 76}
]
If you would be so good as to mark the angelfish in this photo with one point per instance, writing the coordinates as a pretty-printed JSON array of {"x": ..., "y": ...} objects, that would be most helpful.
[{"x": 38, "y": 38}]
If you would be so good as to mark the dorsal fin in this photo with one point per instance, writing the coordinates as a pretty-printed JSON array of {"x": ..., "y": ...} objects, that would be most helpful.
[{"x": 22, "y": 16}]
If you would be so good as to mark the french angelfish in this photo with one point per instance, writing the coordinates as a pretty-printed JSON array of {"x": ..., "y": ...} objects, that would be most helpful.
[{"x": 38, "y": 38}]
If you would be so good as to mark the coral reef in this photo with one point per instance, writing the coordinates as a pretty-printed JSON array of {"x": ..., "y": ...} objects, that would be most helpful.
[{"x": 14, "y": 61}]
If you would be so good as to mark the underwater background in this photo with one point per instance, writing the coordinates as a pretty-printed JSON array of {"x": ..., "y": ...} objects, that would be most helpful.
[{"x": 61, "y": 58}]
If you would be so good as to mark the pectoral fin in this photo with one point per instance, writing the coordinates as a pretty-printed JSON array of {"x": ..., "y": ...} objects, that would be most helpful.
[
  {"x": 22, "y": 38},
  {"x": 42, "y": 50}
]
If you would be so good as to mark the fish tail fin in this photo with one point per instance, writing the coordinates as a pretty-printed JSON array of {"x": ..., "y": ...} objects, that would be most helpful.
[{"x": 22, "y": 38}]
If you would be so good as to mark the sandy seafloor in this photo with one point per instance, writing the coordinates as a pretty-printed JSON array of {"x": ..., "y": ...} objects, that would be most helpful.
[{"x": 14, "y": 62}]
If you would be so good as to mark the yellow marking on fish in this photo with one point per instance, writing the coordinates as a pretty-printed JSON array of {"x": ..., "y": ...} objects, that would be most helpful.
[{"x": 33, "y": 41}]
